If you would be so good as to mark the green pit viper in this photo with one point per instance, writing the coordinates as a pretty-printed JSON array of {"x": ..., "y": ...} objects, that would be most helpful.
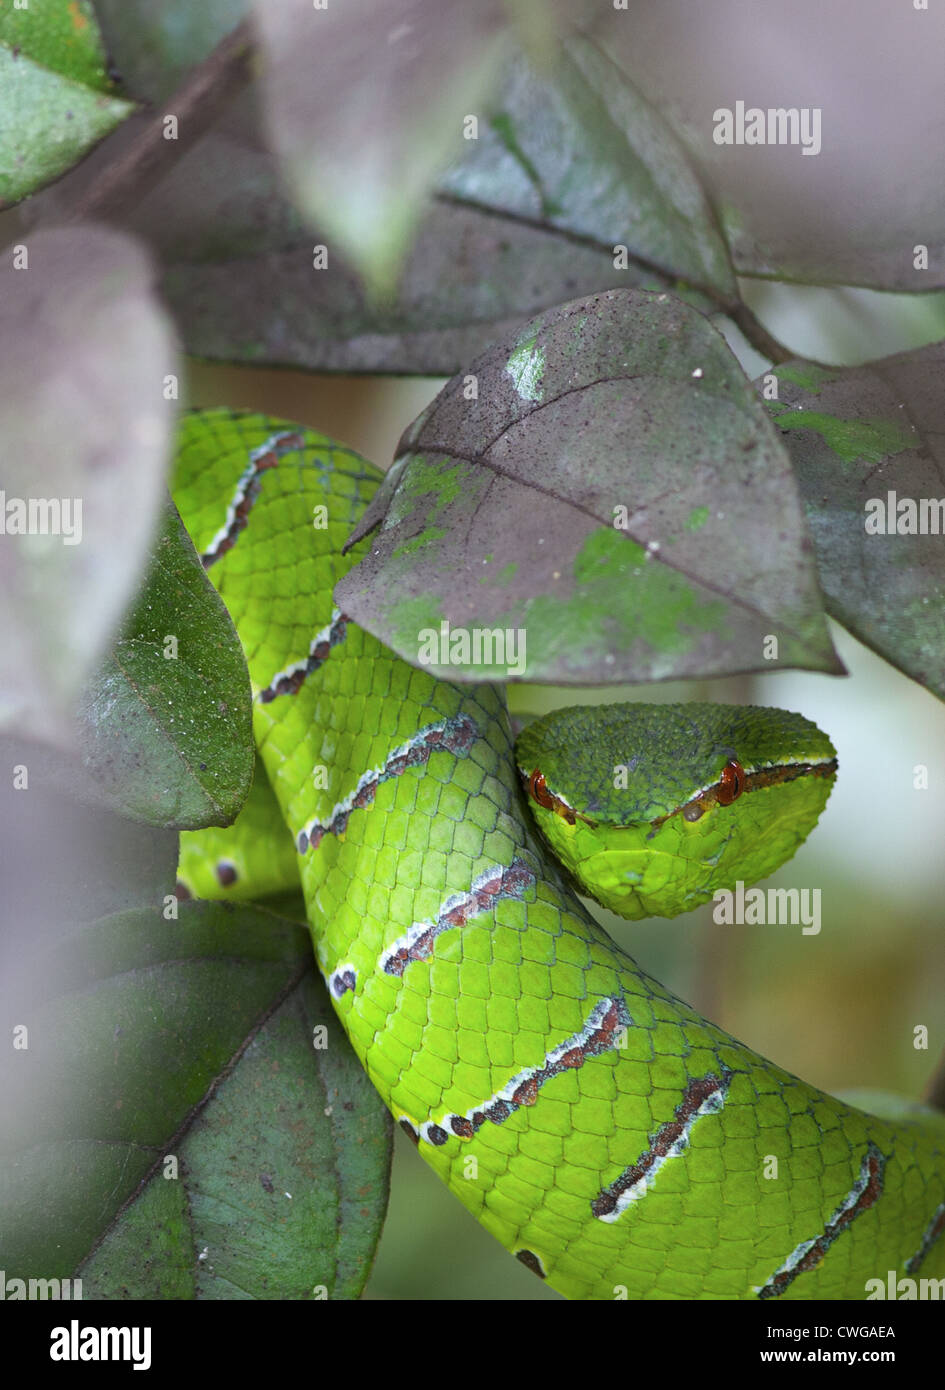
[{"x": 624, "y": 1145}]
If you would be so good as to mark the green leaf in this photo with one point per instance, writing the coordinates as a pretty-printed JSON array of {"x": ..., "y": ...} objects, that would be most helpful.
[
  {"x": 867, "y": 448},
  {"x": 56, "y": 100},
  {"x": 169, "y": 713},
  {"x": 84, "y": 350},
  {"x": 606, "y": 485},
  {"x": 169, "y": 1099},
  {"x": 62, "y": 35},
  {"x": 580, "y": 150}
]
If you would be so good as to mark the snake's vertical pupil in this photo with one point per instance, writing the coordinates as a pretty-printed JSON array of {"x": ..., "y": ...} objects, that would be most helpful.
[{"x": 731, "y": 783}]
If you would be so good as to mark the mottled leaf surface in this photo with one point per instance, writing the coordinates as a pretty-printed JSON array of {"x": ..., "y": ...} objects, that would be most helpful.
[
  {"x": 607, "y": 482},
  {"x": 167, "y": 716},
  {"x": 876, "y": 435},
  {"x": 56, "y": 100},
  {"x": 578, "y": 149},
  {"x": 83, "y": 419},
  {"x": 189, "y": 1041}
]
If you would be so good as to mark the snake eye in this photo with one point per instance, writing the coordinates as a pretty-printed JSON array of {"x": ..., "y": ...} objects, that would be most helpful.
[
  {"x": 732, "y": 782},
  {"x": 539, "y": 792}
]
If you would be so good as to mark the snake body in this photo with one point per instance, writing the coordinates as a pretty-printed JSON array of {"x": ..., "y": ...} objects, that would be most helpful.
[{"x": 617, "y": 1143}]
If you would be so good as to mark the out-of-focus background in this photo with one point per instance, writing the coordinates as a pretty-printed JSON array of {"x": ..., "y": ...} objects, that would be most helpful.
[{"x": 839, "y": 1008}]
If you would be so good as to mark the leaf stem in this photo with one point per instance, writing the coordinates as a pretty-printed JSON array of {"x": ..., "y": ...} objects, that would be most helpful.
[
  {"x": 935, "y": 1095},
  {"x": 196, "y": 104},
  {"x": 754, "y": 331}
]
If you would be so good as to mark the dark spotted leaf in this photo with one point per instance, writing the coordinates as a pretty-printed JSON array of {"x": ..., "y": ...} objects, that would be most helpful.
[
  {"x": 470, "y": 277},
  {"x": 604, "y": 486},
  {"x": 85, "y": 433},
  {"x": 56, "y": 100},
  {"x": 868, "y": 451},
  {"x": 188, "y": 1120},
  {"x": 167, "y": 716},
  {"x": 219, "y": 218},
  {"x": 577, "y": 148}
]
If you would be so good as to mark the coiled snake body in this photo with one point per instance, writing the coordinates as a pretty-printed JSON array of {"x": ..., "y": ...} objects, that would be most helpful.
[{"x": 623, "y": 1145}]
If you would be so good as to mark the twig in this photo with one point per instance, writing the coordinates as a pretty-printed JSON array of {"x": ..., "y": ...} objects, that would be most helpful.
[
  {"x": 196, "y": 104},
  {"x": 935, "y": 1095},
  {"x": 754, "y": 331}
]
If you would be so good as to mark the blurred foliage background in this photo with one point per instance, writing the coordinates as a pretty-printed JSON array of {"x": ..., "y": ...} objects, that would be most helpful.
[{"x": 838, "y": 1008}]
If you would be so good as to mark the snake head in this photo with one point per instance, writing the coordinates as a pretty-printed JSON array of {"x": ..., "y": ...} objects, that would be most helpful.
[{"x": 655, "y": 808}]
